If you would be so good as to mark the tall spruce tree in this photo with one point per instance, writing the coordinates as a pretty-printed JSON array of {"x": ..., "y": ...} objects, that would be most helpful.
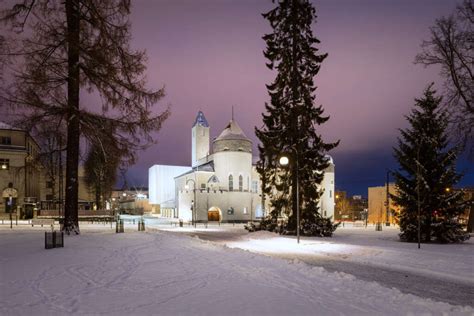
[
  {"x": 427, "y": 175},
  {"x": 291, "y": 119}
]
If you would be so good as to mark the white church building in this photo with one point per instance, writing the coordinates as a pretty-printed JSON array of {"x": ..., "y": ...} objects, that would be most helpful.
[{"x": 222, "y": 183}]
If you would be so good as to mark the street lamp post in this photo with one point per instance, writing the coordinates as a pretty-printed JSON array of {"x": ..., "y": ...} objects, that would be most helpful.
[
  {"x": 193, "y": 214},
  {"x": 284, "y": 161},
  {"x": 418, "y": 194}
]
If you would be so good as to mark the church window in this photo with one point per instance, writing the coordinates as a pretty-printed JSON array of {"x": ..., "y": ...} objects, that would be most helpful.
[
  {"x": 241, "y": 183},
  {"x": 231, "y": 183},
  {"x": 254, "y": 186}
]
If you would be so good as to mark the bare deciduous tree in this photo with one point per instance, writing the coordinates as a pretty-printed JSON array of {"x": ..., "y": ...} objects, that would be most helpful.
[
  {"x": 60, "y": 50},
  {"x": 451, "y": 46}
]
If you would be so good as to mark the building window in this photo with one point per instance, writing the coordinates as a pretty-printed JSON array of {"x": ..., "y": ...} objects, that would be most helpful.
[
  {"x": 245, "y": 211},
  {"x": 5, "y": 140},
  {"x": 49, "y": 184},
  {"x": 330, "y": 193},
  {"x": 255, "y": 186},
  {"x": 231, "y": 183},
  {"x": 203, "y": 185},
  {"x": 4, "y": 164},
  {"x": 241, "y": 183}
]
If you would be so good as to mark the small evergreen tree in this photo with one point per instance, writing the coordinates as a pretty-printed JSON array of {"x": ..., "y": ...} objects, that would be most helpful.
[
  {"x": 427, "y": 175},
  {"x": 292, "y": 117}
]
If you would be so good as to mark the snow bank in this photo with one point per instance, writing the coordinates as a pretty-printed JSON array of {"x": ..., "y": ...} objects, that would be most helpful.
[
  {"x": 366, "y": 246},
  {"x": 100, "y": 272}
]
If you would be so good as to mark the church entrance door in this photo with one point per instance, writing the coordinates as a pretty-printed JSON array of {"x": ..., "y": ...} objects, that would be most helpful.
[{"x": 214, "y": 214}]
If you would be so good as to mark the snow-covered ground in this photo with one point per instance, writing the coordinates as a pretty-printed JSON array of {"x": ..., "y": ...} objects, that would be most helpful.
[
  {"x": 441, "y": 272},
  {"x": 368, "y": 247},
  {"x": 100, "y": 272}
]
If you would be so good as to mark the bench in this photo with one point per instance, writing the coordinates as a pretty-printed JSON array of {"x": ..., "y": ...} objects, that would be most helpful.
[{"x": 42, "y": 221}]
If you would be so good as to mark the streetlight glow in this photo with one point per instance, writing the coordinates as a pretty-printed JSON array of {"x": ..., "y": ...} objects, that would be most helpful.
[
  {"x": 4, "y": 166},
  {"x": 284, "y": 161}
]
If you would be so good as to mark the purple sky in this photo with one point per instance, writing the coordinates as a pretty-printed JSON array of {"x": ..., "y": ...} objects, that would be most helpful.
[{"x": 208, "y": 55}]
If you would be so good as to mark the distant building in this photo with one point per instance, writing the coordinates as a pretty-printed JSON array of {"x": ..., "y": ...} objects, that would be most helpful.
[
  {"x": 162, "y": 188},
  {"x": 134, "y": 200},
  {"x": 349, "y": 208},
  {"x": 222, "y": 183},
  {"x": 377, "y": 205},
  {"x": 19, "y": 171},
  {"x": 467, "y": 218}
]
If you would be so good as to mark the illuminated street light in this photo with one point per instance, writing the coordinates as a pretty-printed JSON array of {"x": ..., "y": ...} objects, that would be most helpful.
[
  {"x": 284, "y": 161},
  {"x": 4, "y": 166},
  {"x": 448, "y": 190}
]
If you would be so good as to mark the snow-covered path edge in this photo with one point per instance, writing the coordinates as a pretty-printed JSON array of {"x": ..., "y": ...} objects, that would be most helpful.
[{"x": 387, "y": 258}]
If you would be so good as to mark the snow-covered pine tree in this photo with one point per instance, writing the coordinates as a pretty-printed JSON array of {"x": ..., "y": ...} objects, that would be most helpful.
[
  {"x": 427, "y": 164},
  {"x": 291, "y": 118}
]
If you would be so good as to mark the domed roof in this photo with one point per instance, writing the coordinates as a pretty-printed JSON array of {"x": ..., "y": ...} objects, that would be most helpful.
[
  {"x": 232, "y": 132},
  {"x": 330, "y": 160}
]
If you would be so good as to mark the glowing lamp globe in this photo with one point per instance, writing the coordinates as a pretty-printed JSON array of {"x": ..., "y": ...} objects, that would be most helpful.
[{"x": 284, "y": 161}]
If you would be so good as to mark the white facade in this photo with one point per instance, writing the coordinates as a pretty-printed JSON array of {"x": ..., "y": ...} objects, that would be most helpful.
[
  {"x": 161, "y": 182},
  {"x": 222, "y": 184}
]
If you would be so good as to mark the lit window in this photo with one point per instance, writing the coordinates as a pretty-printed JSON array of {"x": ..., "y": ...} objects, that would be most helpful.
[
  {"x": 231, "y": 183},
  {"x": 4, "y": 164},
  {"x": 241, "y": 183}
]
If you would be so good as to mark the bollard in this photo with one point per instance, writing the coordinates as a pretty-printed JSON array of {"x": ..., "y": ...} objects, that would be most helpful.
[{"x": 119, "y": 226}]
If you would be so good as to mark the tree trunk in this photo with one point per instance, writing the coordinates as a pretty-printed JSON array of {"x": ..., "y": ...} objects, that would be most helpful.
[
  {"x": 71, "y": 223},
  {"x": 470, "y": 220}
]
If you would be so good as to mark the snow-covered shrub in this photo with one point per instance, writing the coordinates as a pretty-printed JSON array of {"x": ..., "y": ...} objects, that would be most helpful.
[{"x": 448, "y": 232}]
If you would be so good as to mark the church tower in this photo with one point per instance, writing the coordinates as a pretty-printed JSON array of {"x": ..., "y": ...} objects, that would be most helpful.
[{"x": 200, "y": 139}]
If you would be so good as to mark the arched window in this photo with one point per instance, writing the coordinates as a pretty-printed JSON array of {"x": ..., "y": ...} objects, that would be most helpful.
[
  {"x": 241, "y": 183},
  {"x": 231, "y": 183}
]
